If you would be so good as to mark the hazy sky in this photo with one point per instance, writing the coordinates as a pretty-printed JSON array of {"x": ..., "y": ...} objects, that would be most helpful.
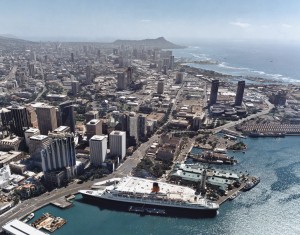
[{"x": 174, "y": 19}]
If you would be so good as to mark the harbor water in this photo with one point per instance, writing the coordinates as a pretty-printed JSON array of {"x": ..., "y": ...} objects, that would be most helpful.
[{"x": 272, "y": 207}]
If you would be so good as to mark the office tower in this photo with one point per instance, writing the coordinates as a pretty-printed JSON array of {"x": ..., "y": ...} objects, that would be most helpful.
[
  {"x": 160, "y": 87},
  {"x": 142, "y": 129},
  {"x": 67, "y": 115},
  {"x": 46, "y": 115},
  {"x": 214, "y": 92},
  {"x": 121, "y": 81},
  {"x": 72, "y": 57},
  {"x": 75, "y": 87},
  {"x": 36, "y": 144},
  {"x": 59, "y": 153},
  {"x": 99, "y": 53},
  {"x": 133, "y": 126},
  {"x": 19, "y": 119},
  {"x": 129, "y": 74},
  {"x": 179, "y": 78},
  {"x": 117, "y": 143},
  {"x": 93, "y": 127},
  {"x": 98, "y": 149},
  {"x": 88, "y": 74},
  {"x": 171, "y": 63},
  {"x": 5, "y": 121},
  {"x": 159, "y": 66},
  {"x": 239, "y": 93},
  {"x": 29, "y": 133},
  {"x": 166, "y": 62},
  {"x": 91, "y": 115},
  {"x": 31, "y": 69},
  {"x": 165, "y": 70},
  {"x": 124, "y": 121},
  {"x": 32, "y": 117}
]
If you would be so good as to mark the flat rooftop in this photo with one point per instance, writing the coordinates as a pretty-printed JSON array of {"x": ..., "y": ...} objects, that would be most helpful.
[
  {"x": 18, "y": 227},
  {"x": 39, "y": 137},
  {"x": 99, "y": 137}
]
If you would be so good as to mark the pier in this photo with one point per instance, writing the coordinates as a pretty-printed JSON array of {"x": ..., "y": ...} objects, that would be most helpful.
[
  {"x": 224, "y": 198},
  {"x": 62, "y": 203}
]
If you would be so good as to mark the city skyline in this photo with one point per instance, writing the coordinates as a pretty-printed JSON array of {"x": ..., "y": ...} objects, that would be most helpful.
[{"x": 176, "y": 20}]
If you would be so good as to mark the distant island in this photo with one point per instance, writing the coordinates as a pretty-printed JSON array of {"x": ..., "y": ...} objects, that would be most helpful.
[{"x": 160, "y": 42}]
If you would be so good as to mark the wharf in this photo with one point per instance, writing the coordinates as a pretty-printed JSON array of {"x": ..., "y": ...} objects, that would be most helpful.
[
  {"x": 48, "y": 222},
  {"x": 62, "y": 203},
  {"x": 223, "y": 199}
]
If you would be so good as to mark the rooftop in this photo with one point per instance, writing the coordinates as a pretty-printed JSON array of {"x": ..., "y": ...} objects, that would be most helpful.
[
  {"x": 18, "y": 227},
  {"x": 99, "y": 137}
]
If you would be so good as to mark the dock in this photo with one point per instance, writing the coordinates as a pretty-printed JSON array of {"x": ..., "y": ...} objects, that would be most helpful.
[
  {"x": 223, "y": 199},
  {"x": 48, "y": 222},
  {"x": 62, "y": 203}
]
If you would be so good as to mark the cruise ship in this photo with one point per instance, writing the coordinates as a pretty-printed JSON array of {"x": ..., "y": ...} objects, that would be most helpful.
[{"x": 151, "y": 197}]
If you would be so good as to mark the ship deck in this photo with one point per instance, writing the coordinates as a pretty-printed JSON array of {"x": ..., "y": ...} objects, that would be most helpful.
[{"x": 144, "y": 186}]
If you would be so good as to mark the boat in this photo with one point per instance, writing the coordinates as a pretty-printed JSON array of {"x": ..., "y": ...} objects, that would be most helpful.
[
  {"x": 251, "y": 184},
  {"x": 29, "y": 217},
  {"x": 151, "y": 197},
  {"x": 234, "y": 195}
]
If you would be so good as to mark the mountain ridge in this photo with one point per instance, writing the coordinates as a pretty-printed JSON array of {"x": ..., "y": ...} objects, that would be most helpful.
[{"x": 159, "y": 42}]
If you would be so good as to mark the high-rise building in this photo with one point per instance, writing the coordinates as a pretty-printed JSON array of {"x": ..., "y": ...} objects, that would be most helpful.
[
  {"x": 67, "y": 115},
  {"x": 72, "y": 57},
  {"x": 214, "y": 92},
  {"x": 91, "y": 115},
  {"x": 165, "y": 70},
  {"x": 160, "y": 87},
  {"x": 19, "y": 119},
  {"x": 29, "y": 133},
  {"x": 129, "y": 74},
  {"x": 121, "y": 81},
  {"x": 47, "y": 120},
  {"x": 171, "y": 63},
  {"x": 60, "y": 153},
  {"x": 36, "y": 144},
  {"x": 239, "y": 93},
  {"x": 142, "y": 126},
  {"x": 75, "y": 87},
  {"x": 117, "y": 143},
  {"x": 133, "y": 126},
  {"x": 88, "y": 74},
  {"x": 93, "y": 127},
  {"x": 179, "y": 77},
  {"x": 159, "y": 66},
  {"x": 31, "y": 69},
  {"x": 98, "y": 149}
]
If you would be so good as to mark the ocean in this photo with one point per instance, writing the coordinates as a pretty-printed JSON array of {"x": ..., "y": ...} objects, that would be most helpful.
[
  {"x": 277, "y": 61},
  {"x": 272, "y": 207}
]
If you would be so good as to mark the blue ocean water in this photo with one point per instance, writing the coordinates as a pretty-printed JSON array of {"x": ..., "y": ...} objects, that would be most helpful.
[
  {"x": 276, "y": 61},
  {"x": 272, "y": 207}
]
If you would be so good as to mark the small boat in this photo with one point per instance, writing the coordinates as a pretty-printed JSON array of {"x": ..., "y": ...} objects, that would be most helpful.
[
  {"x": 29, "y": 217},
  {"x": 234, "y": 195}
]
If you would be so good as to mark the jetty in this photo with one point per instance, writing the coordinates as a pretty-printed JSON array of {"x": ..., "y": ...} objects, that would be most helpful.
[{"x": 48, "y": 222}]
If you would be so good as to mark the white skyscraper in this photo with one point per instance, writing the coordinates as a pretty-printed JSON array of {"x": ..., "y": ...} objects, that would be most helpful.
[
  {"x": 117, "y": 143},
  {"x": 98, "y": 149}
]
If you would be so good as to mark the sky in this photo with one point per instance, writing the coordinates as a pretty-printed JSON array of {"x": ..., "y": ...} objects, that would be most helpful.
[{"x": 179, "y": 20}]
